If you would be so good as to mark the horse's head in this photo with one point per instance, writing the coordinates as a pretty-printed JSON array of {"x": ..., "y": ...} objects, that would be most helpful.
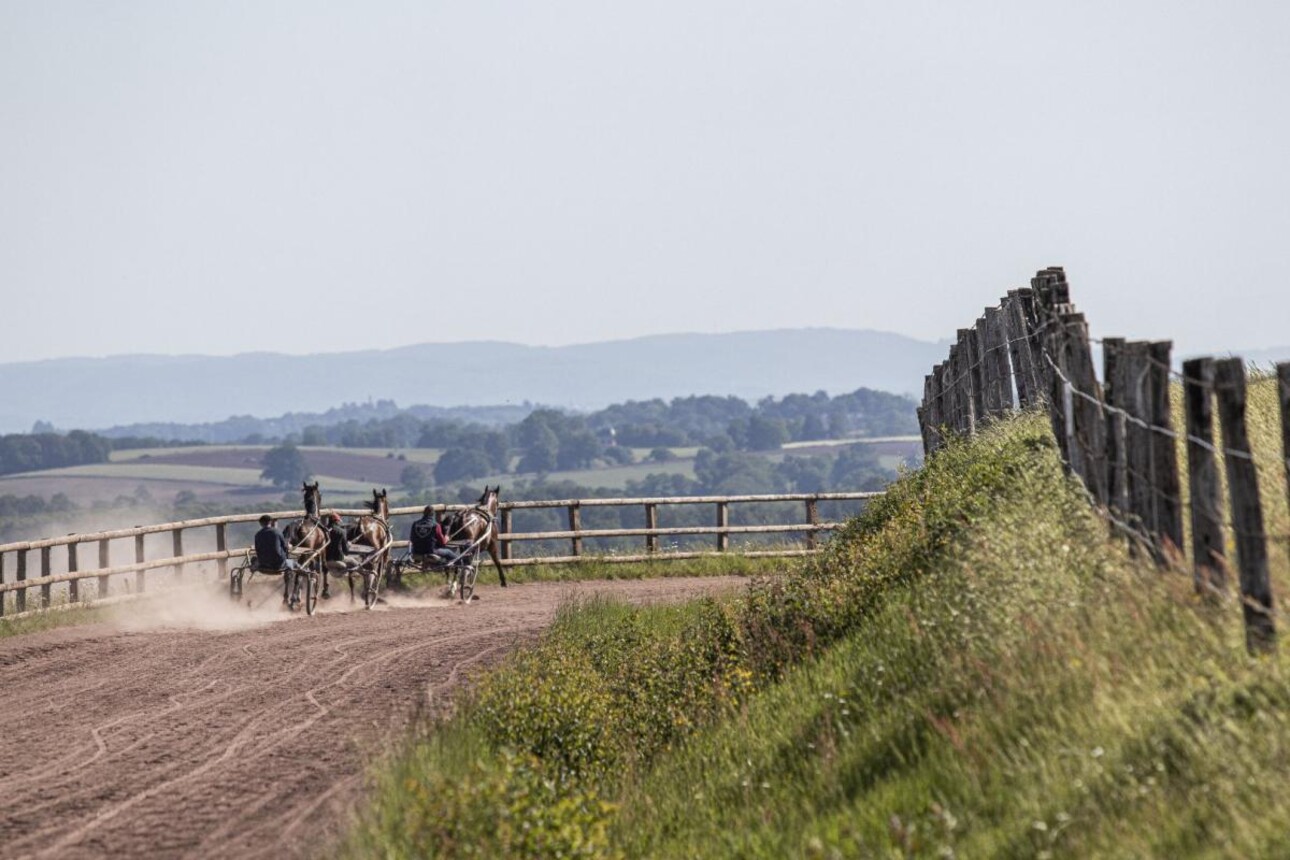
[
  {"x": 380, "y": 504},
  {"x": 488, "y": 501},
  {"x": 313, "y": 498}
]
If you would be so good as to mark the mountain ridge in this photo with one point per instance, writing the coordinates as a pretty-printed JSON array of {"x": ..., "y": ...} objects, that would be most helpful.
[{"x": 88, "y": 392}]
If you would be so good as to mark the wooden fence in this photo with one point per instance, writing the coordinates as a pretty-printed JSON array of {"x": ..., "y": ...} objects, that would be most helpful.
[
  {"x": 16, "y": 568},
  {"x": 1118, "y": 434}
]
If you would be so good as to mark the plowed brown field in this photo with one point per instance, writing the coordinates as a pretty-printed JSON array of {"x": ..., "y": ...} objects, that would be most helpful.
[{"x": 240, "y": 735}]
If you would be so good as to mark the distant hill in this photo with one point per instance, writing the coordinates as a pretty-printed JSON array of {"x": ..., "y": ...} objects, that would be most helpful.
[{"x": 133, "y": 389}]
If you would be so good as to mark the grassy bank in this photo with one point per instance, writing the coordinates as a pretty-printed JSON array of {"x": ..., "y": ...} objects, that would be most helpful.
[{"x": 973, "y": 669}]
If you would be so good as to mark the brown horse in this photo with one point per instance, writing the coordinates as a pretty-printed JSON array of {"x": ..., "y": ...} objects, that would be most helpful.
[
  {"x": 373, "y": 530},
  {"x": 478, "y": 527},
  {"x": 309, "y": 535}
]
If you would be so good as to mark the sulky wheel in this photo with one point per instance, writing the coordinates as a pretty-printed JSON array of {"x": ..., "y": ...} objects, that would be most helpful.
[{"x": 311, "y": 592}]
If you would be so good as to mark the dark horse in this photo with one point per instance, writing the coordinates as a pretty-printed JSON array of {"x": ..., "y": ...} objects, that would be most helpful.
[
  {"x": 478, "y": 527},
  {"x": 309, "y": 535}
]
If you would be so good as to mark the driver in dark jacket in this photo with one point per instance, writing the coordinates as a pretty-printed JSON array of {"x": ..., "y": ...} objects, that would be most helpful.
[
  {"x": 271, "y": 551},
  {"x": 429, "y": 544}
]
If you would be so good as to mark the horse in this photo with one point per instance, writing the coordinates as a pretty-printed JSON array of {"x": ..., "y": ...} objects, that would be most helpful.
[
  {"x": 373, "y": 530},
  {"x": 309, "y": 535},
  {"x": 478, "y": 527}
]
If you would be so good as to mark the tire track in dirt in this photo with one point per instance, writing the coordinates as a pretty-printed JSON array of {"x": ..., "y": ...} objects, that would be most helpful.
[{"x": 250, "y": 742}]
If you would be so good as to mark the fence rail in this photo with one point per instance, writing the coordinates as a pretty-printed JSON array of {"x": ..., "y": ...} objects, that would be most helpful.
[
  {"x": 20, "y": 553},
  {"x": 1118, "y": 434}
]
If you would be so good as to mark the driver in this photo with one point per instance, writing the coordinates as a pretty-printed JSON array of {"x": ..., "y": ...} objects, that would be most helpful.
[
  {"x": 271, "y": 553},
  {"x": 429, "y": 545},
  {"x": 338, "y": 558}
]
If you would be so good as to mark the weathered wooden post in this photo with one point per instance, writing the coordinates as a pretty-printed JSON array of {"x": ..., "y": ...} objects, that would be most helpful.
[
  {"x": 1052, "y": 354},
  {"x": 1283, "y": 391},
  {"x": 73, "y": 585},
  {"x": 1247, "y": 515},
  {"x": 1164, "y": 451},
  {"x": 20, "y": 596},
  {"x": 723, "y": 522},
  {"x": 1089, "y": 421},
  {"x": 1117, "y": 478},
  {"x": 984, "y": 356},
  {"x": 1136, "y": 372},
  {"x": 940, "y": 401},
  {"x": 221, "y": 545},
  {"x": 976, "y": 373},
  {"x": 1017, "y": 333},
  {"x": 651, "y": 522},
  {"x": 105, "y": 560},
  {"x": 177, "y": 545},
  {"x": 997, "y": 335},
  {"x": 963, "y": 378},
  {"x": 953, "y": 394},
  {"x": 575, "y": 525},
  {"x": 1209, "y": 567},
  {"x": 812, "y": 519},
  {"x": 505, "y": 537},
  {"x": 139, "y": 578},
  {"x": 46, "y": 569},
  {"x": 3, "y": 595}
]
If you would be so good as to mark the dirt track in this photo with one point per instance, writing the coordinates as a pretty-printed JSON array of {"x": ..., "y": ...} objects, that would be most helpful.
[{"x": 248, "y": 742}]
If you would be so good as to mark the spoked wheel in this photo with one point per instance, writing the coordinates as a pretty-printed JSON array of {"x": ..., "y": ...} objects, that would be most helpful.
[
  {"x": 311, "y": 592},
  {"x": 466, "y": 582}
]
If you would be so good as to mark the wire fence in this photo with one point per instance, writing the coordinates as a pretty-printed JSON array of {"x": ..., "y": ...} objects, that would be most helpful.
[{"x": 1117, "y": 433}]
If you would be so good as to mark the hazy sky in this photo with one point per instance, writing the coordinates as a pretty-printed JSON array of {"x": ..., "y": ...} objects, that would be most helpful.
[{"x": 301, "y": 176}]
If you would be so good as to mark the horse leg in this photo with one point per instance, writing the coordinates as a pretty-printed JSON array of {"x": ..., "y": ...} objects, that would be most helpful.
[
  {"x": 497, "y": 562},
  {"x": 326, "y": 591}
]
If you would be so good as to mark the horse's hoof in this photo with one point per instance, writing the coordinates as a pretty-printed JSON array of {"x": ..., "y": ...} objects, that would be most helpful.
[{"x": 326, "y": 595}]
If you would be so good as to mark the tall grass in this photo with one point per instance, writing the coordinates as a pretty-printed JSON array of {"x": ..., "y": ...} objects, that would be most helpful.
[{"x": 974, "y": 668}]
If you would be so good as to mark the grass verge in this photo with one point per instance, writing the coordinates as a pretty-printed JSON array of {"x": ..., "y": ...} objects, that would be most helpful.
[{"x": 972, "y": 669}]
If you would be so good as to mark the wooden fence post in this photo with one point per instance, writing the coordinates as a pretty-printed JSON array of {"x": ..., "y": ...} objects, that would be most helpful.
[
  {"x": 1209, "y": 567},
  {"x": 504, "y": 539},
  {"x": 976, "y": 373},
  {"x": 953, "y": 395},
  {"x": 1164, "y": 451},
  {"x": 812, "y": 518},
  {"x": 1016, "y": 329},
  {"x": 1283, "y": 390},
  {"x": 221, "y": 545},
  {"x": 575, "y": 525},
  {"x": 651, "y": 522},
  {"x": 177, "y": 544},
  {"x": 105, "y": 560},
  {"x": 3, "y": 595},
  {"x": 1142, "y": 503},
  {"x": 1051, "y": 354},
  {"x": 139, "y": 579},
  {"x": 1086, "y": 407},
  {"x": 20, "y": 596},
  {"x": 723, "y": 521},
  {"x": 997, "y": 335},
  {"x": 73, "y": 565},
  {"x": 46, "y": 568},
  {"x": 963, "y": 380},
  {"x": 1117, "y": 478},
  {"x": 940, "y": 402},
  {"x": 1247, "y": 515}
]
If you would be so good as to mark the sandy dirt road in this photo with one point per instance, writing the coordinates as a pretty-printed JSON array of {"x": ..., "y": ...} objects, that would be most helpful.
[{"x": 237, "y": 734}]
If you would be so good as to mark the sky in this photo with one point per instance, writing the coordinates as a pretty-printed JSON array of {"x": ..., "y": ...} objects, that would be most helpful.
[{"x": 222, "y": 177}]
